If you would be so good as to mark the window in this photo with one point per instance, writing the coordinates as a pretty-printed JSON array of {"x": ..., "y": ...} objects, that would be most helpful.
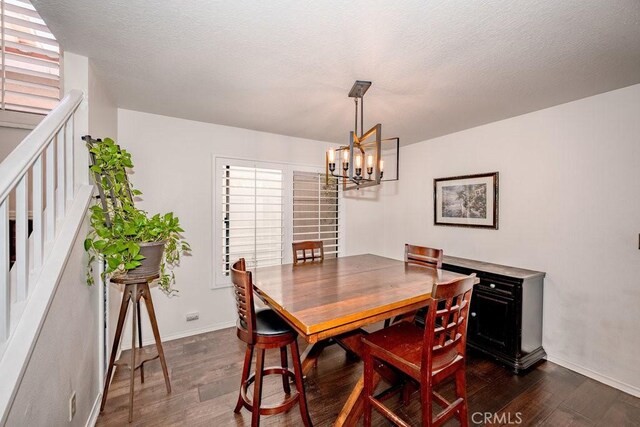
[
  {"x": 30, "y": 59},
  {"x": 252, "y": 216},
  {"x": 261, "y": 208},
  {"x": 316, "y": 210}
]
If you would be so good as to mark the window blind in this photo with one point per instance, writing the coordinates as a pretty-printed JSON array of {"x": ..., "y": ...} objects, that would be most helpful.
[
  {"x": 252, "y": 216},
  {"x": 316, "y": 212},
  {"x": 30, "y": 59},
  {"x": 260, "y": 208}
]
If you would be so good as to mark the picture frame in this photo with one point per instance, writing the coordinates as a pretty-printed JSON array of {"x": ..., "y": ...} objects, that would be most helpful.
[{"x": 466, "y": 201}]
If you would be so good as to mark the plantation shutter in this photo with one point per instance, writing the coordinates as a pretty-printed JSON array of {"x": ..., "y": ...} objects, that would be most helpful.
[
  {"x": 316, "y": 210},
  {"x": 252, "y": 215},
  {"x": 30, "y": 60}
]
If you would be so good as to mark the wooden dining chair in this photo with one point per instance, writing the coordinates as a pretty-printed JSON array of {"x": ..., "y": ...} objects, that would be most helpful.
[
  {"x": 425, "y": 256},
  {"x": 308, "y": 251},
  {"x": 263, "y": 330},
  {"x": 422, "y": 255},
  {"x": 428, "y": 355}
]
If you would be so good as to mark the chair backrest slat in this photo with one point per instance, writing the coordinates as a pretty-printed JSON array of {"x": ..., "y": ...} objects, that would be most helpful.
[
  {"x": 422, "y": 255},
  {"x": 308, "y": 251},
  {"x": 446, "y": 327},
  {"x": 243, "y": 291}
]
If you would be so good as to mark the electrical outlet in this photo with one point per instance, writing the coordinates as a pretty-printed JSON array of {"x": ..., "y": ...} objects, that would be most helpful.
[
  {"x": 193, "y": 316},
  {"x": 72, "y": 406}
]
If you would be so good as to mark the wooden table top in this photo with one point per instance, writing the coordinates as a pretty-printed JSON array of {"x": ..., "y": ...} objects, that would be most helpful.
[{"x": 326, "y": 299}]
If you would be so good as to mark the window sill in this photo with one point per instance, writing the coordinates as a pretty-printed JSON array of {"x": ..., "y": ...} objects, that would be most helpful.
[{"x": 19, "y": 120}]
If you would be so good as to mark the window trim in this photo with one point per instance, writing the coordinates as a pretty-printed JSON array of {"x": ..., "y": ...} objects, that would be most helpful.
[{"x": 218, "y": 280}]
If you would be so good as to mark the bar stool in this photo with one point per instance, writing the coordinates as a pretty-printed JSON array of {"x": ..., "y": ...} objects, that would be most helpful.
[
  {"x": 264, "y": 330},
  {"x": 135, "y": 288}
]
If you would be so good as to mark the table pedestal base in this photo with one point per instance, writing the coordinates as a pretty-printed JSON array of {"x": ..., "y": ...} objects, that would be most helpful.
[{"x": 354, "y": 406}]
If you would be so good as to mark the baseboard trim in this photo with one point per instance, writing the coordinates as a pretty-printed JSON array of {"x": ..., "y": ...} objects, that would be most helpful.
[
  {"x": 627, "y": 388},
  {"x": 95, "y": 411},
  {"x": 191, "y": 332}
]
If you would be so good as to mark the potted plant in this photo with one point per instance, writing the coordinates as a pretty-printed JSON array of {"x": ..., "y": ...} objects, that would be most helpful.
[{"x": 128, "y": 239}]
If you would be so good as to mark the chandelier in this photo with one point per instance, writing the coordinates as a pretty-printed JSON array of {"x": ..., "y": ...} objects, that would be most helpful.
[{"x": 362, "y": 162}]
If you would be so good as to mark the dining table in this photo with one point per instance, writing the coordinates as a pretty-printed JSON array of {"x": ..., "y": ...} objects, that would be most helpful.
[{"x": 336, "y": 298}]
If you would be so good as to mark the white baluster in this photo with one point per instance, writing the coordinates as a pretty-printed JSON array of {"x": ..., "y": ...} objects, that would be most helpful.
[
  {"x": 5, "y": 283},
  {"x": 61, "y": 200},
  {"x": 37, "y": 213},
  {"x": 69, "y": 137},
  {"x": 50, "y": 189},
  {"x": 22, "y": 237}
]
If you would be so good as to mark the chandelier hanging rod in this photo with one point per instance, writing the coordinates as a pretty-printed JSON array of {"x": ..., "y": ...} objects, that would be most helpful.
[{"x": 358, "y": 90}]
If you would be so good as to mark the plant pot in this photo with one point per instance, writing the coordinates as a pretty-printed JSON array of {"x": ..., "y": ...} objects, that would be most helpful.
[{"x": 152, "y": 252}]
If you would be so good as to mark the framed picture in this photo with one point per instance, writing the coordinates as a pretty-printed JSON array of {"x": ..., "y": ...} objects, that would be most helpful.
[{"x": 466, "y": 201}]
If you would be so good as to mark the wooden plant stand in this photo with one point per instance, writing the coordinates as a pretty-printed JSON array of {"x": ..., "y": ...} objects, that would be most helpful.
[{"x": 136, "y": 287}]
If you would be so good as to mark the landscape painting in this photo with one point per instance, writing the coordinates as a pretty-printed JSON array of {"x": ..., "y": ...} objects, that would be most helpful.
[
  {"x": 467, "y": 201},
  {"x": 464, "y": 201}
]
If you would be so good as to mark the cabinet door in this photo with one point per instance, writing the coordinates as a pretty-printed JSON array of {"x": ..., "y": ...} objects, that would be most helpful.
[{"x": 492, "y": 322}]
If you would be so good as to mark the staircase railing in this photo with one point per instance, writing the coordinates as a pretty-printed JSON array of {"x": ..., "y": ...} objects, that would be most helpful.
[
  {"x": 36, "y": 184},
  {"x": 44, "y": 195}
]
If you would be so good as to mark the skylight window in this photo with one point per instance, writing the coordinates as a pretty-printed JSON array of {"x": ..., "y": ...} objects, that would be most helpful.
[{"x": 30, "y": 60}]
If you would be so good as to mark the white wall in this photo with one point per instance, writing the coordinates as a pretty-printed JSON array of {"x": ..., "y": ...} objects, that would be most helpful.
[
  {"x": 65, "y": 356},
  {"x": 103, "y": 113},
  {"x": 569, "y": 206},
  {"x": 76, "y": 76},
  {"x": 173, "y": 168},
  {"x": 9, "y": 139},
  {"x": 14, "y": 127},
  {"x": 103, "y": 123}
]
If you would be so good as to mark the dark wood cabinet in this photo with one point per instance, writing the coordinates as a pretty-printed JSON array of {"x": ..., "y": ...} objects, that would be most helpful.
[
  {"x": 490, "y": 321},
  {"x": 505, "y": 319}
]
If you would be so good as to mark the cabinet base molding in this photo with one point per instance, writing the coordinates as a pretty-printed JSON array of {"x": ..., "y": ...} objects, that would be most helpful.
[{"x": 517, "y": 364}]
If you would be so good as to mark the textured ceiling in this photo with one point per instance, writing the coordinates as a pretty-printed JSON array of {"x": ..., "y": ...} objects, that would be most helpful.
[{"x": 286, "y": 67}]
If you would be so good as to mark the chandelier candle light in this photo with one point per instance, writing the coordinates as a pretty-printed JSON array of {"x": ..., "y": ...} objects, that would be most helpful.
[{"x": 364, "y": 150}]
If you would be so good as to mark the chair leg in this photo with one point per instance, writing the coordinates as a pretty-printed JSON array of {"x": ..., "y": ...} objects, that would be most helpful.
[
  {"x": 368, "y": 386},
  {"x": 257, "y": 389},
  {"x": 285, "y": 378},
  {"x": 245, "y": 374},
  {"x": 461, "y": 391},
  {"x": 407, "y": 388},
  {"x": 302, "y": 396},
  {"x": 427, "y": 404}
]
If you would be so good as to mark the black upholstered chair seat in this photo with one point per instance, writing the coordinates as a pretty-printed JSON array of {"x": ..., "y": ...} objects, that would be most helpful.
[{"x": 269, "y": 323}]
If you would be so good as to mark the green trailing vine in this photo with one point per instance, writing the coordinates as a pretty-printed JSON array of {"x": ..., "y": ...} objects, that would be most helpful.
[{"x": 119, "y": 243}]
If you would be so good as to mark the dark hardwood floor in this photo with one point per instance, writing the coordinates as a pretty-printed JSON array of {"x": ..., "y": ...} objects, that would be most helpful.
[{"x": 205, "y": 376}]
